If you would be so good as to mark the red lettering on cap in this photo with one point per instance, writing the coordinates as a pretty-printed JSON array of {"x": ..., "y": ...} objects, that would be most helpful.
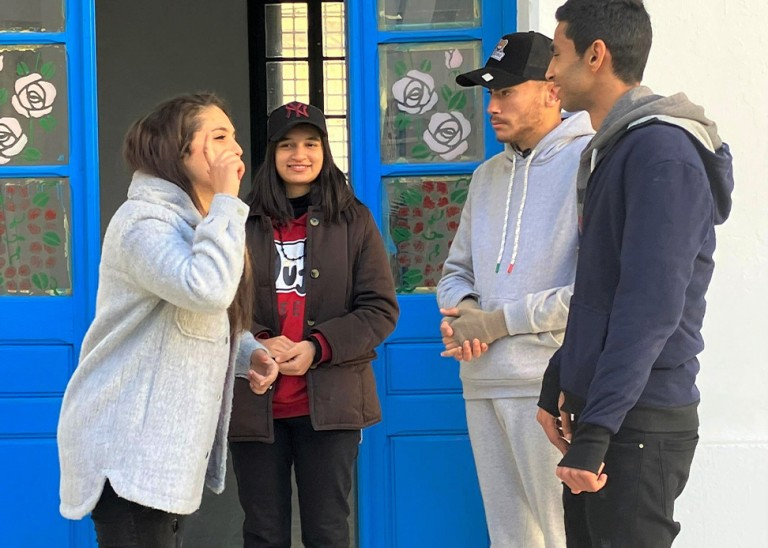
[{"x": 297, "y": 109}]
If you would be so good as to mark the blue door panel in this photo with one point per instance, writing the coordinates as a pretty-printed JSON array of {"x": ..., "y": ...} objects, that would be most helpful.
[
  {"x": 21, "y": 416},
  {"x": 34, "y": 369},
  {"x": 418, "y": 368},
  {"x": 41, "y": 335},
  {"x": 416, "y": 476},
  {"x": 425, "y": 413},
  {"x": 436, "y": 498},
  {"x": 30, "y": 495}
]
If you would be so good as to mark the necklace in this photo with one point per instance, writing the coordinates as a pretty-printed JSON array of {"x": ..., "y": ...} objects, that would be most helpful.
[{"x": 282, "y": 248}]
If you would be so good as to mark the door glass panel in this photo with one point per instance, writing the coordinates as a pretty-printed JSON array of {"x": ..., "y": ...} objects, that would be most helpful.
[
  {"x": 425, "y": 115},
  {"x": 421, "y": 215},
  {"x": 337, "y": 138},
  {"x": 335, "y": 86},
  {"x": 333, "y": 30},
  {"x": 34, "y": 124},
  {"x": 32, "y": 16},
  {"x": 35, "y": 224},
  {"x": 414, "y": 14},
  {"x": 286, "y": 30},
  {"x": 287, "y": 81}
]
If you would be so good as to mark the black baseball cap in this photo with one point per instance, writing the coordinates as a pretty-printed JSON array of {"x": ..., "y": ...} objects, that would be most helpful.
[
  {"x": 290, "y": 115},
  {"x": 517, "y": 58}
]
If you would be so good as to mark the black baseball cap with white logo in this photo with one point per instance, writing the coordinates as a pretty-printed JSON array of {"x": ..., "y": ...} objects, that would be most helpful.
[{"x": 517, "y": 58}]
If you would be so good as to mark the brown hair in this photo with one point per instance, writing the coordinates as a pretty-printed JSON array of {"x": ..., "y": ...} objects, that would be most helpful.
[{"x": 157, "y": 143}]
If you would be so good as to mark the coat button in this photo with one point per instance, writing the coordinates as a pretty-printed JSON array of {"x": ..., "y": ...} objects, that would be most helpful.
[
  {"x": 314, "y": 221},
  {"x": 310, "y": 323},
  {"x": 315, "y": 273}
]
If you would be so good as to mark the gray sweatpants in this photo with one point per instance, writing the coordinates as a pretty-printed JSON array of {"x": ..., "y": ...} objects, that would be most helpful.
[{"x": 516, "y": 468}]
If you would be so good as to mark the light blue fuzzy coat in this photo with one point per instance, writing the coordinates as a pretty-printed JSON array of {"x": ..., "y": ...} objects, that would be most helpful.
[{"x": 148, "y": 406}]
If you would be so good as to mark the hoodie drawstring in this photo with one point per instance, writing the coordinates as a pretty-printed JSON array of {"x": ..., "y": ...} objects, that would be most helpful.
[{"x": 519, "y": 220}]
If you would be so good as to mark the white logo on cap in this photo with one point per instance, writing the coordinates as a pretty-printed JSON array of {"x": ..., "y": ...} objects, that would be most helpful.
[
  {"x": 498, "y": 52},
  {"x": 487, "y": 77}
]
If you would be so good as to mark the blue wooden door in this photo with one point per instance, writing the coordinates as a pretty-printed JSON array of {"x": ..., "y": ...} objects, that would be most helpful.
[
  {"x": 49, "y": 239},
  {"x": 415, "y": 139}
]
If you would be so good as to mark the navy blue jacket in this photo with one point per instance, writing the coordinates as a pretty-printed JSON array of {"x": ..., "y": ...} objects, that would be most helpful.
[{"x": 645, "y": 262}]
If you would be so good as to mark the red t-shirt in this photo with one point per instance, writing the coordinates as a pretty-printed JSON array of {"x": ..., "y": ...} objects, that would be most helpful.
[{"x": 290, "y": 399}]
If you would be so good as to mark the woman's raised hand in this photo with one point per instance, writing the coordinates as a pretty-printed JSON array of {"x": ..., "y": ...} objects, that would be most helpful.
[{"x": 226, "y": 166}]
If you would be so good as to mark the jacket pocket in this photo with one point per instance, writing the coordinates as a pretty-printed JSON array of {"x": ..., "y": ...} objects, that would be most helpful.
[
  {"x": 206, "y": 327},
  {"x": 343, "y": 397},
  {"x": 551, "y": 339},
  {"x": 251, "y": 418}
]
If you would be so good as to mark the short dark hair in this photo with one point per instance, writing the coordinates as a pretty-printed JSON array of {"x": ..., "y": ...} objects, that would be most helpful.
[
  {"x": 268, "y": 195},
  {"x": 624, "y": 26}
]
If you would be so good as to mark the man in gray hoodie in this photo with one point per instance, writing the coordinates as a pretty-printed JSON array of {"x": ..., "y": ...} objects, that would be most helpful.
[{"x": 507, "y": 285}]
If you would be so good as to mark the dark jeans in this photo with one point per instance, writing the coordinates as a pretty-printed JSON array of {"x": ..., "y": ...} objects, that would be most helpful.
[
  {"x": 323, "y": 462},
  {"x": 646, "y": 473},
  {"x": 121, "y": 523}
]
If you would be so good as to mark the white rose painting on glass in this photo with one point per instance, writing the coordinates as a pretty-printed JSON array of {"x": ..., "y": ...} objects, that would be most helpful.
[
  {"x": 33, "y": 105},
  {"x": 426, "y": 116},
  {"x": 447, "y": 134},
  {"x": 34, "y": 96},
  {"x": 415, "y": 92},
  {"x": 12, "y": 140}
]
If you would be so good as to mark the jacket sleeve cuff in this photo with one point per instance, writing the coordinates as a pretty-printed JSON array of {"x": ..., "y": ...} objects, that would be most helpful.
[
  {"x": 549, "y": 397},
  {"x": 324, "y": 355},
  {"x": 247, "y": 345},
  {"x": 516, "y": 315},
  {"x": 588, "y": 448}
]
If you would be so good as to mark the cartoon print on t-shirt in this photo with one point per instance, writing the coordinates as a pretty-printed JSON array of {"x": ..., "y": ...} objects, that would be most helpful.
[{"x": 289, "y": 267}]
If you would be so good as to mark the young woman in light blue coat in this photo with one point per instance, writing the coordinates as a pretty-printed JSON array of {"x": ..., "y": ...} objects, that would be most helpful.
[{"x": 144, "y": 418}]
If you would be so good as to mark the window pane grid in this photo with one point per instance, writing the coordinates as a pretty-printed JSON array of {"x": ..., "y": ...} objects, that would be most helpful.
[
  {"x": 337, "y": 137},
  {"x": 287, "y": 81},
  {"x": 286, "y": 30},
  {"x": 334, "y": 44},
  {"x": 335, "y": 86}
]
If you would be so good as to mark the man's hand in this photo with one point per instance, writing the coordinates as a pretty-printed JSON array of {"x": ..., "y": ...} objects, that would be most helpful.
[
  {"x": 481, "y": 325},
  {"x": 463, "y": 352},
  {"x": 554, "y": 428},
  {"x": 263, "y": 372},
  {"x": 296, "y": 360},
  {"x": 582, "y": 480}
]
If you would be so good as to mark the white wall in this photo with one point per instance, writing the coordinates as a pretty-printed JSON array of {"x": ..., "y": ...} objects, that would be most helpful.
[{"x": 714, "y": 51}]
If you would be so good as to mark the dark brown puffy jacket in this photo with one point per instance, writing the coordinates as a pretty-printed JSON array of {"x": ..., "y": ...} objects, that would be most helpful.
[{"x": 350, "y": 299}]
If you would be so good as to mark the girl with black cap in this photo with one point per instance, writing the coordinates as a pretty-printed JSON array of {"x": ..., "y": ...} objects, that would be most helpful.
[{"x": 325, "y": 299}]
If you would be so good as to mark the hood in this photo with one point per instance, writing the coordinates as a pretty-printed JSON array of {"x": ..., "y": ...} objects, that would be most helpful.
[
  {"x": 640, "y": 106},
  {"x": 153, "y": 190},
  {"x": 574, "y": 126}
]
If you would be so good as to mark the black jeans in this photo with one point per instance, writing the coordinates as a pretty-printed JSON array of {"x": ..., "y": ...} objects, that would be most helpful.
[
  {"x": 323, "y": 462},
  {"x": 646, "y": 473},
  {"x": 121, "y": 523}
]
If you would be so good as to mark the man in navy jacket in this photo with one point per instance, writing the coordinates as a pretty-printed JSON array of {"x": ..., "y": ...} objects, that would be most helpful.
[{"x": 653, "y": 182}]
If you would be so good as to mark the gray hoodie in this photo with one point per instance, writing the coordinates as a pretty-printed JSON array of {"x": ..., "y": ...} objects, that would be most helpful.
[{"x": 516, "y": 249}]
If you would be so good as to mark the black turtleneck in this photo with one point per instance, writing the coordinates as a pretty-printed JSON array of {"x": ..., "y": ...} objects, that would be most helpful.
[{"x": 300, "y": 205}]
